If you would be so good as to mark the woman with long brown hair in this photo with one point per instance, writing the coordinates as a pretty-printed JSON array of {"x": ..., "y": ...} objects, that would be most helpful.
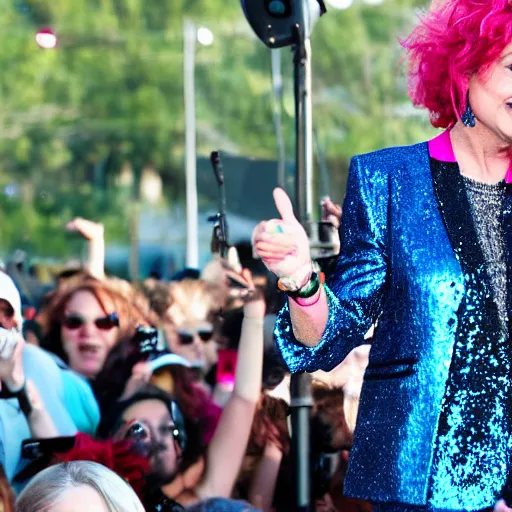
[{"x": 84, "y": 319}]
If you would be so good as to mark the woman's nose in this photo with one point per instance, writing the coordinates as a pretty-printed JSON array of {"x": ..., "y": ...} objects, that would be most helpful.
[{"x": 87, "y": 328}]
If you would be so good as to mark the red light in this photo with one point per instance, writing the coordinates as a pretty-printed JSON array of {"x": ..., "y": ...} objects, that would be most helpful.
[{"x": 46, "y": 39}]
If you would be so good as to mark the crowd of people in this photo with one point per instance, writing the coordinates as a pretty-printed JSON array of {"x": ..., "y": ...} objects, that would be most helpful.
[
  {"x": 158, "y": 395},
  {"x": 169, "y": 396}
]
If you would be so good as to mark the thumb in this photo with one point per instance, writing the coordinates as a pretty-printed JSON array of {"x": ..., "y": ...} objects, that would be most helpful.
[{"x": 284, "y": 205}]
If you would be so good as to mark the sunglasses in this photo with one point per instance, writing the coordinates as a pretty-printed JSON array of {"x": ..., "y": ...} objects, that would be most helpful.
[
  {"x": 186, "y": 336},
  {"x": 105, "y": 323}
]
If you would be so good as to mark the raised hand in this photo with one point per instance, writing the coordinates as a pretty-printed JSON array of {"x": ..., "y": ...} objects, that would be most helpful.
[
  {"x": 88, "y": 229},
  {"x": 94, "y": 233},
  {"x": 283, "y": 245},
  {"x": 141, "y": 375},
  {"x": 254, "y": 301}
]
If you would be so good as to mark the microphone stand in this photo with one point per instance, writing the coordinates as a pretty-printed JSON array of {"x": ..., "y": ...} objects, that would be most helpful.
[
  {"x": 300, "y": 388},
  {"x": 277, "y": 28},
  {"x": 220, "y": 229}
]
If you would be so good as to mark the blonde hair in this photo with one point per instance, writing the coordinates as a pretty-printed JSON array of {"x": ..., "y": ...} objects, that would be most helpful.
[
  {"x": 46, "y": 489},
  {"x": 191, "y": 300}
]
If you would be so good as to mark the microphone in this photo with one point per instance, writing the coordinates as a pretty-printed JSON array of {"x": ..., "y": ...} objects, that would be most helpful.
[{"x": 217, "y": 167}]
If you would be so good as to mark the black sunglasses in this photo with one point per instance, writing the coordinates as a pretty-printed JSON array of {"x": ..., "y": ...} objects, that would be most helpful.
[
  {"x": 186, "y": 337},
  {"x": 105, "y": 323}
]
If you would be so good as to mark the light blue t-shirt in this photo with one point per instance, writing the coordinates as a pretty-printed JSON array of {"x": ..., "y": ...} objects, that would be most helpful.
[
  {"x": 80, "y": 402},
  {"x": 63, "y": 393}
]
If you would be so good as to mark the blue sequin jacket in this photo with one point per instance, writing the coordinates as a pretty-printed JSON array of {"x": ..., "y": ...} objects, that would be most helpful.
[{"x": 409, "y": 257}]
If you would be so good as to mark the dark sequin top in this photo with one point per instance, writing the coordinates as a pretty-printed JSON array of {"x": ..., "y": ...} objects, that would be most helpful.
[
  {"x": 486, "y": 203},
  {"x": 472, "y": 443}
]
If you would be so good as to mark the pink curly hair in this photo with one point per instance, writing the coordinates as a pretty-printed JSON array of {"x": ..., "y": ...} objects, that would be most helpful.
[{"x": 452, "y": 42}]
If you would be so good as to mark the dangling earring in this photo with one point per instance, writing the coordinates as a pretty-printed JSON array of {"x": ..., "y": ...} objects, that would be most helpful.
[{"x": 468, "y": 118}]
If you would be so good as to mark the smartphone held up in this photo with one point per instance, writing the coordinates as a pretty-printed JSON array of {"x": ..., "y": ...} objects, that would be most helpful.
[{"x": 9, "y": 340}]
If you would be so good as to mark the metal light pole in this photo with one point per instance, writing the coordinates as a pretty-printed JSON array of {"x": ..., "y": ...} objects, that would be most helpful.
[
  {"x": 277, "y": 88},
  {"x": 300, "y": 386},
  {"x": 189, "y": 57},
  {"x": 304, "y": 128},
  {"x": 191, "y": 35}
]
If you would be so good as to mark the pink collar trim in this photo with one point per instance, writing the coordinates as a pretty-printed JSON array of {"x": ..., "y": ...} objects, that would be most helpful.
[{"x": 441, "y": 149}]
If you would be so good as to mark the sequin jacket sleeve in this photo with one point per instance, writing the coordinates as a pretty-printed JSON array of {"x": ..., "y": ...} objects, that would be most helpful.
[{"x": 357, "y": 287}]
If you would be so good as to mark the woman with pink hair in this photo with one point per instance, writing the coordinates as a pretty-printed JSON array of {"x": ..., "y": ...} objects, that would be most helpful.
[{"x": 426, "y": 246}]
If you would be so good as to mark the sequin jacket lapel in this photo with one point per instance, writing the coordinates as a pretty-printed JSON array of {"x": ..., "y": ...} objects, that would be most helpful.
[
  {"x": 397, "y": 264},
  {"x": 455, "y": 211},
  {"x": 471, "y": 449}
]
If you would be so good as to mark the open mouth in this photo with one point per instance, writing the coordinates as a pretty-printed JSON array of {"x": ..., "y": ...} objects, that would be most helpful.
[{"x": 89, "y": 349}]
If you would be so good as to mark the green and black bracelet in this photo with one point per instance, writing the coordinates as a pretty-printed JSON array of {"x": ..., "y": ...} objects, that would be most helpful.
[{"x": 310, "y": 288}]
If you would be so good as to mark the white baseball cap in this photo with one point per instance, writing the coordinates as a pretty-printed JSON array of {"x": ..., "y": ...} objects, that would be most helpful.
[
  {"x": 168, "y": 360},
  {"x": 10, "y": 294}
]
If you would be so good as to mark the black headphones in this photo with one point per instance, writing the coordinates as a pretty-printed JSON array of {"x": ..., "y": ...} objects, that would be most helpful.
[{"x": 179, "y": 433}]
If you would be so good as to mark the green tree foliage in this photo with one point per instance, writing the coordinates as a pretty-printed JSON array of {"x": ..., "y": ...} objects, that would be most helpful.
[{"x": 111, "y": 96}]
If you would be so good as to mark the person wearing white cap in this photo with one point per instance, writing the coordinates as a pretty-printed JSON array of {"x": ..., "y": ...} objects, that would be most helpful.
[
  {"x": 36, "y": 366},
  {"x": 10, "y": 303}
]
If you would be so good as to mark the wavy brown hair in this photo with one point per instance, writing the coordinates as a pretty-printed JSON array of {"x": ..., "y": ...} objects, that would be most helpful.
[
  {"x": 191, "y": 299},
  {"x": 269, "y": 424},
  {"x": 111, "y": 296},
  {"x": 330, "y": 431},
  {"x": 158, "y": 294}
]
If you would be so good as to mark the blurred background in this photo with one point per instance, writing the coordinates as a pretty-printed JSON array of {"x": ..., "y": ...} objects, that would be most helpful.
[{"x": 93, "y": 120}]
